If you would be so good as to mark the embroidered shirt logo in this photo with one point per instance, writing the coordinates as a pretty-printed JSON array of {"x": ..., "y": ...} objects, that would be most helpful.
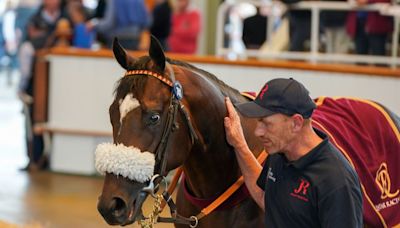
[
  {"x": 270, "y": 175},
  {"x": 301, "y": 191},
  {"x": 382, "y": 179}
]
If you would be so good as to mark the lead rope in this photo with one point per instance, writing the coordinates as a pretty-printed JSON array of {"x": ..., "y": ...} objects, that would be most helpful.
[
  {"x": 154, "y": 215},
  {"x": 193, "y": 221}
]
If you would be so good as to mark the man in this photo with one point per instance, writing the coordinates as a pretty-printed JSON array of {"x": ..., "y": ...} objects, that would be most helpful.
[
  {"x": 40, "y": 34},
  {"x": 128, "y": 20},
  {"x": 369, "y": 30},
  {"x": 185, "y": 28},
  {"x": 306, "y": 181},
  {"x": 161, "y": 26},
  {"x": 255, "y": 30},
  {"x": 299, "y": 26}
]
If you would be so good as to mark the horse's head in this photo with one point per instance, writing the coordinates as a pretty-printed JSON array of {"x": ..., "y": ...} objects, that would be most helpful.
[{"x": 152, "y": 133}]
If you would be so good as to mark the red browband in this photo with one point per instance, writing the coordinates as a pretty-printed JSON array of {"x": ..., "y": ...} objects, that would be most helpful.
[{"x": 150, "y": 73}]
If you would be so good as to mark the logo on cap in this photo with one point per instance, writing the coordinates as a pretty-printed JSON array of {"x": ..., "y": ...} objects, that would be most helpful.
[{"x": 263, "y": 91}]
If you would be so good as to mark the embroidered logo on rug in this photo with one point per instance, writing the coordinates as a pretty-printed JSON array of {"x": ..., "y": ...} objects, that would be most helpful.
[
  {"x": 301, "y": 191},
  {"x": 382, "y": 179}
]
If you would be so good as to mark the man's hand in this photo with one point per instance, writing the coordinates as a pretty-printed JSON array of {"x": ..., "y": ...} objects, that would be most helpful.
[
  {"x": 362, "y": 2},
  {"x": 91, "y": 24},
  {"x": 233, "y": 127}
]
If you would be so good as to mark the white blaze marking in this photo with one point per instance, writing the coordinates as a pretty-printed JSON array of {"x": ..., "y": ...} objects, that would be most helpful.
[{"x": 128, "y": 104}]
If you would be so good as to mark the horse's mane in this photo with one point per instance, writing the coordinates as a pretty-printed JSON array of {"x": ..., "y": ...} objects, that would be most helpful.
[
  {"x": 225, "y": 89},
  {"x": 128, "y": 84}
]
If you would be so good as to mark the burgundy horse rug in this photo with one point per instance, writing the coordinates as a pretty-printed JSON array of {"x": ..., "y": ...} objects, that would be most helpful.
[{"x": 368, "y": 136}]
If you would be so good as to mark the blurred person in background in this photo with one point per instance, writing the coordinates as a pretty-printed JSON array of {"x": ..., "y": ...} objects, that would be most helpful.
[
  {"x": 128, "y": 20},
  {"x": 43, "y": 23},
  {"x": 98, "y": 13},
  {"x": 333, "y": 24},
  {"x": 161, "y": 25},
  {"x": 370, "y": 30},
  {"x": 40, "y": 34},
  {"x": 255, "y": 30},
  {"x": 299, "y": 27},
  {"x": 24, "y": 11},
  {"x": 2, "y": 42},
  {"x": 81, "y": 37},
  {"x": 9, "y": 40},
  {"x": 88, "y": 13},
  {"x": 100, "y": 9},
  {"x": 185, "y": 29}
]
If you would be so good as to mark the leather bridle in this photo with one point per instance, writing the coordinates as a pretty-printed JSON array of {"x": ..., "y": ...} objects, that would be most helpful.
[
  {"x": 171, "y": 121},
  {"x": 161, "y": 154}
]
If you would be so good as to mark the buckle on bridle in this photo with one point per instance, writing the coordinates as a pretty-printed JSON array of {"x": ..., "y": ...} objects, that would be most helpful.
[
  {"x": 177, "y": 90},
  {"x": 195, "y": 220},
  {"x": 153, "y": 187}
]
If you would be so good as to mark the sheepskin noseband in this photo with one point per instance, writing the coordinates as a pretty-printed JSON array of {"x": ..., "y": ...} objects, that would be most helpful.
[{"x": 128, "y": 162}]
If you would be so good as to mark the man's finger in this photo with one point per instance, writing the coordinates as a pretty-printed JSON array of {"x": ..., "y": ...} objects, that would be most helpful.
[
  {"x": 231, "y": 110},
  {"x": 229, "y": 106},
  {"x": 227, "y": 122}
]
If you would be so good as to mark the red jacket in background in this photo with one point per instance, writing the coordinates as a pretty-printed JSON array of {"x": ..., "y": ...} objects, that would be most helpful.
[
  {"x": 184, "y": 32},
  {"x": 375, "y": 24}
]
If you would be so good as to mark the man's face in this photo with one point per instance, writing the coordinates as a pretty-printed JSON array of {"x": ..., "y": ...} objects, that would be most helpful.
[
  {"x": 275, "y": 132},
  {"x": 182, "y": 5},
  {"x": 52, "y": 5}
]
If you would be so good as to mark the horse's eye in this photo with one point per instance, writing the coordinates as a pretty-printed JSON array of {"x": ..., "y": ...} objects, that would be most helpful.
[{"x": 155, "y": 118}]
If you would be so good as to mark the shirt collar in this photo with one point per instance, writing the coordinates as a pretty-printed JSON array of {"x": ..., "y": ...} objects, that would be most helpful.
[{"x": 302, "y": 162}]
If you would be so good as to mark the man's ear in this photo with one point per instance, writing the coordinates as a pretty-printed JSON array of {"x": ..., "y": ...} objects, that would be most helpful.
[{"x": 297, "y": 122}]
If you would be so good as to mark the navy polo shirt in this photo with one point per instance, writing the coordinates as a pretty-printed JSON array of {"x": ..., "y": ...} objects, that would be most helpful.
[{"x": 320, "y": 189}]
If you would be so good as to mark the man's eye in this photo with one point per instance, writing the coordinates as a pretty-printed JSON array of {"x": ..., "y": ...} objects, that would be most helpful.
[{"x": 155, "y": 118}]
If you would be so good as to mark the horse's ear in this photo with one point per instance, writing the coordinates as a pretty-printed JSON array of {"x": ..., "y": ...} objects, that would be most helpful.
[
  {"x": 123, "y": 58},
  {"x": 156, "y": 53}
]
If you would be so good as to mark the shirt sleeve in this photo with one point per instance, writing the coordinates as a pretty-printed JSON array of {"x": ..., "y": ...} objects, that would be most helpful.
[
  {"x": 341, "y": 207},
  {"x": 108, "y": 21}
]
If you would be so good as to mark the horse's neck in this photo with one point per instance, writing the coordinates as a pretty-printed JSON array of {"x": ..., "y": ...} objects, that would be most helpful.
[{"x": 212, "y": 167}]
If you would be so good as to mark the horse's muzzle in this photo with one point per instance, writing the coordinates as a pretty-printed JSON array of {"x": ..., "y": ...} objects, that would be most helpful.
[{"x": 119, "y": 212}]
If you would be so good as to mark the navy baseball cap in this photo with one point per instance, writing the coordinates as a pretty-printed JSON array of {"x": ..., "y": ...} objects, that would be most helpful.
[{"x": 281, "y": 95}]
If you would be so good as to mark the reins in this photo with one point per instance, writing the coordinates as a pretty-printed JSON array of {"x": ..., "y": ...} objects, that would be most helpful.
[
  {"x": 162, "y": 157},
  {"x": 217, "y": 202}
]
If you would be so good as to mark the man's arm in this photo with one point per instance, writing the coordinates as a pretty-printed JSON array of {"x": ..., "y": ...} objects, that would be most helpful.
[
  {"x": 107, "y": 22},
  {"x": 249, "y": 165}
]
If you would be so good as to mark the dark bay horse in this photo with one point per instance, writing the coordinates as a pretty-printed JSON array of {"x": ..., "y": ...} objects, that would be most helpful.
[
  {"x": 167, "y": 114},
  {"x": 194, "y": 139}
]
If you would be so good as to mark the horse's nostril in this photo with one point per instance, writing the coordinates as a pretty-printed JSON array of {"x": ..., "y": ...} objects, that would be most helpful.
[{"x": 119, "y": 207}]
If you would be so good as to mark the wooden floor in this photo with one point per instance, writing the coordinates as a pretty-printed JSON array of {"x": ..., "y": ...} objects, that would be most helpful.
[
  {"x": 41, "y": 199},
  {"x": 51, "y": 200},
  {"x": 48, "y": 199}
]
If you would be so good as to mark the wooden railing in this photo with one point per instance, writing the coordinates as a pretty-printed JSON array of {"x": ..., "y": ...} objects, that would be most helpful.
[
  {"x": 41, "y": 76},
  {"x": 314, "y": 55}
]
